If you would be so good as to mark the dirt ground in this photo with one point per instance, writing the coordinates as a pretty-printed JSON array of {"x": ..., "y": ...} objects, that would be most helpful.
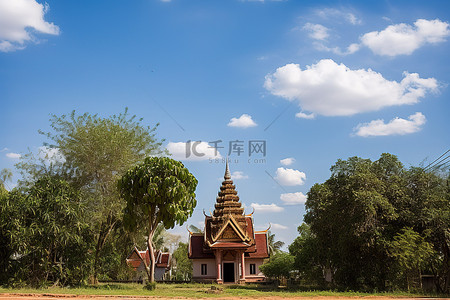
[{"x": 96, "y": 297}]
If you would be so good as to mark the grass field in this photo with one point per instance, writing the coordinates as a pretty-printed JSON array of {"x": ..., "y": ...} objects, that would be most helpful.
[{"x": 193, "y": 290}]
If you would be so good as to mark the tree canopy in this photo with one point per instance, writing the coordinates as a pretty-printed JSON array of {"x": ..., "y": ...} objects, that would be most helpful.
[
  {"x": 159, "y": 190},
  {"x": 358, "y": 220},
  {"x": 44, "y": 227},
  {"x": 92, "y": 153}
]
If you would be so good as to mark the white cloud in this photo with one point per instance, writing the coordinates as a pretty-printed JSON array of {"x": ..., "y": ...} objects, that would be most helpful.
[
  {"x": 193, "y": 151},
  {"x": 336, "y": 50},
  {"x": 396, "y": 126},
  {"x": 332, "y": 89},
  {"x": 19, "y": 19},
  {"x": 290, "y": 177},
  {"x": 316, "y": 31},
  {"x": 328, "y": 13},
  {"x": 278, "y": 226},
  {"x": 51, "y": 155},
  {"x": 4, "y": 149},
  {"x": 243, "y": 121},
  {"x": 263, "y": 208},
  {"x": 287, "y": 161},
  {"x": 293, "y": 198},
  {"x": 404, "y": 39},
  {"x": 236, "y": 175},
  {"x": 13, "y": 155},
  {"x": 302, "y": 115}
]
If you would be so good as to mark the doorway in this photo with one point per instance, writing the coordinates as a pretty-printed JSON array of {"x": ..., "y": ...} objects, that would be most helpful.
[{"x": 228, "y": 272}]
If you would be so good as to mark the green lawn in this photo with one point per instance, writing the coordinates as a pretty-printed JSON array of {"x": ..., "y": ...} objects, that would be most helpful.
[{"x": 194, "y": 290}]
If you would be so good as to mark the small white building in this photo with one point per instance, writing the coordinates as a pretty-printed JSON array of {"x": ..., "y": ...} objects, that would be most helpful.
[{"x": 229, "y": 250}]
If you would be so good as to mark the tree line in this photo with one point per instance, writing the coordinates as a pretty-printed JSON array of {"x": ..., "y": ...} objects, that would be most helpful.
[
  {"x": 68, "y": 222},
  {"x": 373, "y": 225},
  {"x": 101, "y": 186}
]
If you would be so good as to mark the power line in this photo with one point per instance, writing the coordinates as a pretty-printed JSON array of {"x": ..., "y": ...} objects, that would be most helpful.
[
  {"x": 436, "y": 160},
  {"x": 440, "y": 163}
]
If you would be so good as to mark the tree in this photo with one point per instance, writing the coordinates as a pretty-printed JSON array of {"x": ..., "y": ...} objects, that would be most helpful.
[
  {"x": 280, "y": 265},
  {"x": 307, "y": 255},
  {"x": 357, "y": 214},
  {"x": 159, "y": 190},
  {"x": 46, "y": 233},
  {"x": 92, "y": 153},
  {"x": 5, "y": 175},
  {"x": 195, "y": 229},
  {"x": 183, "y": 265},
  {"x": 274, "y": 246},
  {"x": 413, "y": 253}
]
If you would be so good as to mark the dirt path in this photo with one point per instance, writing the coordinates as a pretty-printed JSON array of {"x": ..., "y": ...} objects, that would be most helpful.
[{"x": 97, "y": 297}]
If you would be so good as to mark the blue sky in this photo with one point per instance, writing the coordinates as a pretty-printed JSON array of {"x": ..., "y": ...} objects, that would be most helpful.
[{"x": 316, "y": 80}]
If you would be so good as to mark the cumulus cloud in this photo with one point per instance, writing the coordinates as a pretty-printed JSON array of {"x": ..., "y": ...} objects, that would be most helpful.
[
  {"x": 243, "y": 121},
  {"x": 404, "y": 39},
  {"x": 332, "y": 89},
  {"x": 236, "y": 175},
  {"x": 336, "y": 50},
  {"x": 302, "y": 115},
  {"x": 290, "y": 177},
  {"x": 192, "y": 151},
  {"x": 328, "y": 13},
  {"x": 278, "y": 226},
  {"x": 13, "y": 155},
  {"x": 287, "y": 161},
  {"x": 396, "y": 126},
  {"x": 263, "y": 208},
  {"x": 316, "y": 31},
  {"x": 19, "y": 19},
  {"x": 293, "y": 198}
]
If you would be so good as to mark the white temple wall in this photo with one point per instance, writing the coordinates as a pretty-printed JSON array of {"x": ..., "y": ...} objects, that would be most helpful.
[
  {"x": 210, "y": 268},
  {"x": 257, "y": 262}
]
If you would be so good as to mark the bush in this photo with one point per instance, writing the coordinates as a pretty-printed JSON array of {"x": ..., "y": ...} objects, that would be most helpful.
[{"x": 150, "y": 286}]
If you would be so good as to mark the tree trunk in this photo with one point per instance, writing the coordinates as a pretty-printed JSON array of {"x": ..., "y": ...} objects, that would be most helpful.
[
  {"x": 151, "y": 266},
  {"x": 104, "y": 233}
]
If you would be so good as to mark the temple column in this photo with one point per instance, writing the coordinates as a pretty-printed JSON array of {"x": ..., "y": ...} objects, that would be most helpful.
[
  {"x": 219, "y": 266},
  {"x": 242, "y": 278}
]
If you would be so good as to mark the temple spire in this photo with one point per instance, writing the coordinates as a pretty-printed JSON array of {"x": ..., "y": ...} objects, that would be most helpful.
[{"x": 227, "y": 175}]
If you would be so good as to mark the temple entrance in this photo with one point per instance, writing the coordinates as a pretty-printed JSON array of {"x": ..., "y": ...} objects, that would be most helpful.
[{"x": 228, "y": 272}]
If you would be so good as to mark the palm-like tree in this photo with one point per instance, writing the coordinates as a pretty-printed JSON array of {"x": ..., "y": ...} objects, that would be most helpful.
[
  {"x": 195, "y": 229},
  {"x": 274, "y": 246}
]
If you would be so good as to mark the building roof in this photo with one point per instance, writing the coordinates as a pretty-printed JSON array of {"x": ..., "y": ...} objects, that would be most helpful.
[
  {"x": 198, "y": 251},
  {"x": 261, "y": 245},
  {"x": 135, "y": 258},
  {"x": 228, "y": 222},
  {"x": 228, "y": 227}
]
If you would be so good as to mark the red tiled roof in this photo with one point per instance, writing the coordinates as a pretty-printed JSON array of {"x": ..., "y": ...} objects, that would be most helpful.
[
  {"x": 259, "y": 250},
  {"x": 262, "y": 250},
  {"x": 134, "y": 259},
  {"x": 164, "y": 260},
  {"x": 196, "y": 247}
]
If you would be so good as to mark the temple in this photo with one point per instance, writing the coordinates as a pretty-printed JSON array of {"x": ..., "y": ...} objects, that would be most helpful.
[{"x": 229, "y": 250}]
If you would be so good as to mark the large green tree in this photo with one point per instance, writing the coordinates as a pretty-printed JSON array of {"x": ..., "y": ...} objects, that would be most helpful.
[
  {"x": 44, "y": 227},
  {"x": 159, "y": 190},
  {"x": 354, "y": 216},
  {"x": 92, "y": 153}
]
